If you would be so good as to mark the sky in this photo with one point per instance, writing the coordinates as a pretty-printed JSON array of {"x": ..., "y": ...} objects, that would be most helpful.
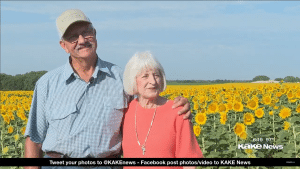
[{"x": 193, "y": 40}]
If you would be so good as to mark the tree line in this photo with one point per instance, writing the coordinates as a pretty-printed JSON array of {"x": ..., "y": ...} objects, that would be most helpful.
[
  {"x": 27, "y": 81},
  {"x": 291, "y": 79},
  {"x": 20, "y": 81}
]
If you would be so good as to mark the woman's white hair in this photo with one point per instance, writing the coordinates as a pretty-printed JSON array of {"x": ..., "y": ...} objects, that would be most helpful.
[{"x": 140, "y": 62}]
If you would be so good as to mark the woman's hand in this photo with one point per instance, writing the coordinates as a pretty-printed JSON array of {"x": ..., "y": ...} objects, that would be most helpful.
[{"x": 181, "y": 101}]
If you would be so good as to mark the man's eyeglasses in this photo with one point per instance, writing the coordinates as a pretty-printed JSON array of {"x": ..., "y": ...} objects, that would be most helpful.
[{"x": 87, "y": 34}]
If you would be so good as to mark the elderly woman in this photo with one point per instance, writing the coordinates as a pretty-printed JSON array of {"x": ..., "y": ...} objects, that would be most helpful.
[{"x": 151, "y": 127}]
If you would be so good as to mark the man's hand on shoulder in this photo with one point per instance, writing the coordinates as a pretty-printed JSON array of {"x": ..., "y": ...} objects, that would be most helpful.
[{"x": 181, "y": 101}]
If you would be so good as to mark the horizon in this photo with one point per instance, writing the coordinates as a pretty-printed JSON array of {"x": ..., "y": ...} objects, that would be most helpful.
[{"x": 176, "y": 79}]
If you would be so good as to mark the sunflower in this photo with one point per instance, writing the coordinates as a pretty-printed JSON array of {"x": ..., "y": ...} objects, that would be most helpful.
[
  {"x": 278, "y": 94},
  {"x": 202, "y": 111},
  {"x": 297, "y": 93},
  {"x": 16, "y": 137},
  {"x": 248, "y": 151},
  {"x": 290, "y": 95},
  {"x": 251, "y": 156},
  {"x": 185, "y": 94},
  {"x": 195, "y": 99},
  {"x": 298, "y": 109},
  {"x": 10, "y": 107},
  {"x": 27, "y": 107},
  {"x": 228, "y": 98},
  {"x": 212, "y": 108},
  {"x": 260, "y": 87},
  {"x": 23, "y": 117},
  {"x": 246, "y": 99},
  {"x": 237, "y": 98},
  {"x": 3, "y": 113},
  {"x": 286, "y": 125},
  {"x": 285, "y": 112},
  {"x": 3, "y": 108},
  {"x": 267, "y": 100},
  {"x": 238, "y": 106},
  {"x": 229, "y": 106},
  {"x": 223, "y": 118},
  {"x": 271, "y": 113},
  {"x": 247, "y": 91},
  {"x": 213, "y": 91},
  {"x": 10, "y": 113},
  {"x": 23, "y": 129},
  {"x": 10, "y": 129},
  {"x": 243, "y": 135},
  {"x": 239, "y": 128},
  {"x": 6, "y": 119},
  {"x": 249, "y": 118},
  {"x": 197, "y": 130},
  {"x": 222, "y": 108},
  {"x": 202, "y": 99},
  {"x": 5, "y": 150},
  {"x": 20, "y": 112},
  {"x": 11, "y": 116},
  {"x": 200, "y": 118},
  {"x": 17, "y": 106},
  {"x": 293, "y": 100},
  {"x": 252, "y": 104},
  {"x": 196, "y": 106},
  {"x": 259, "y": 113}
]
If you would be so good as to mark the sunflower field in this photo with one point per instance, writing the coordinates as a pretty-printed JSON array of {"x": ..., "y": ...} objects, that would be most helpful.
[
  {"x": 228, "y": 118},
  {"x": 14, "y": 109}
]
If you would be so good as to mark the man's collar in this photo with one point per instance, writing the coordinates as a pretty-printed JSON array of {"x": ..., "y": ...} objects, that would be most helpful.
[{"x": 100, "y": 65}]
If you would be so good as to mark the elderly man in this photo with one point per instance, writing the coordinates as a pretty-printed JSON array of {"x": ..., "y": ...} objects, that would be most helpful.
[{"x": 77, "y": 108}]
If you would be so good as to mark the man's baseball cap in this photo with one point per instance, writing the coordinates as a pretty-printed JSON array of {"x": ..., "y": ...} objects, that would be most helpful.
[{"x": 69, "y": 17}]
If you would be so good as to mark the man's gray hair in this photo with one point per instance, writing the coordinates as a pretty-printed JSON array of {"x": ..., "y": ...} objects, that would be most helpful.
[{"x": 140, "y": 62}]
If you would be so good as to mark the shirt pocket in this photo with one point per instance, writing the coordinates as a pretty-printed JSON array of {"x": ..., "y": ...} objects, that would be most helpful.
[
  {"x": 115, "y": 102},
  {"x": 62, "y": 120}
]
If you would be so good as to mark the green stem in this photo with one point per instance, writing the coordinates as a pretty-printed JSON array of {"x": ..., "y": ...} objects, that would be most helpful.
[
  {"x": 273, "y": 125},
  {"x": 274, "y": 129},
  {"x": 1, "y": 139},
  {"x": 295, "y": 139},
  {"x": 229, "y": 130},
  {"x": 259, "y": 126},
  {"x": 236, "y": 145},
  {"x": 289, "y": 140},
  {"x": 1, "y": 142},
  {"x": 215, "y": 127},
  {"x": 235, "y": 116},
  {"x": 214, "y": 121},
  {"x": 203, "y": 144}
]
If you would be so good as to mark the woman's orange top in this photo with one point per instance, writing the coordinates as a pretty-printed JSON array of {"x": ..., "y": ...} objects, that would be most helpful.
[{"x": 170, "y": 136}]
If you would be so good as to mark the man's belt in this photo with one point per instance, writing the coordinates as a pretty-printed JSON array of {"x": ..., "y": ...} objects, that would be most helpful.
[{"x": 59, "y": 155}]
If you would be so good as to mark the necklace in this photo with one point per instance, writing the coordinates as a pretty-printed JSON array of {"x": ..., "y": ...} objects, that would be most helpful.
[{"x": 144, "y": 145}]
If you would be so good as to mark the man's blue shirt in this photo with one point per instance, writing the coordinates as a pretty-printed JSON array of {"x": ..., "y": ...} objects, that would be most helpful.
[{"x": 76, "y": 118}]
